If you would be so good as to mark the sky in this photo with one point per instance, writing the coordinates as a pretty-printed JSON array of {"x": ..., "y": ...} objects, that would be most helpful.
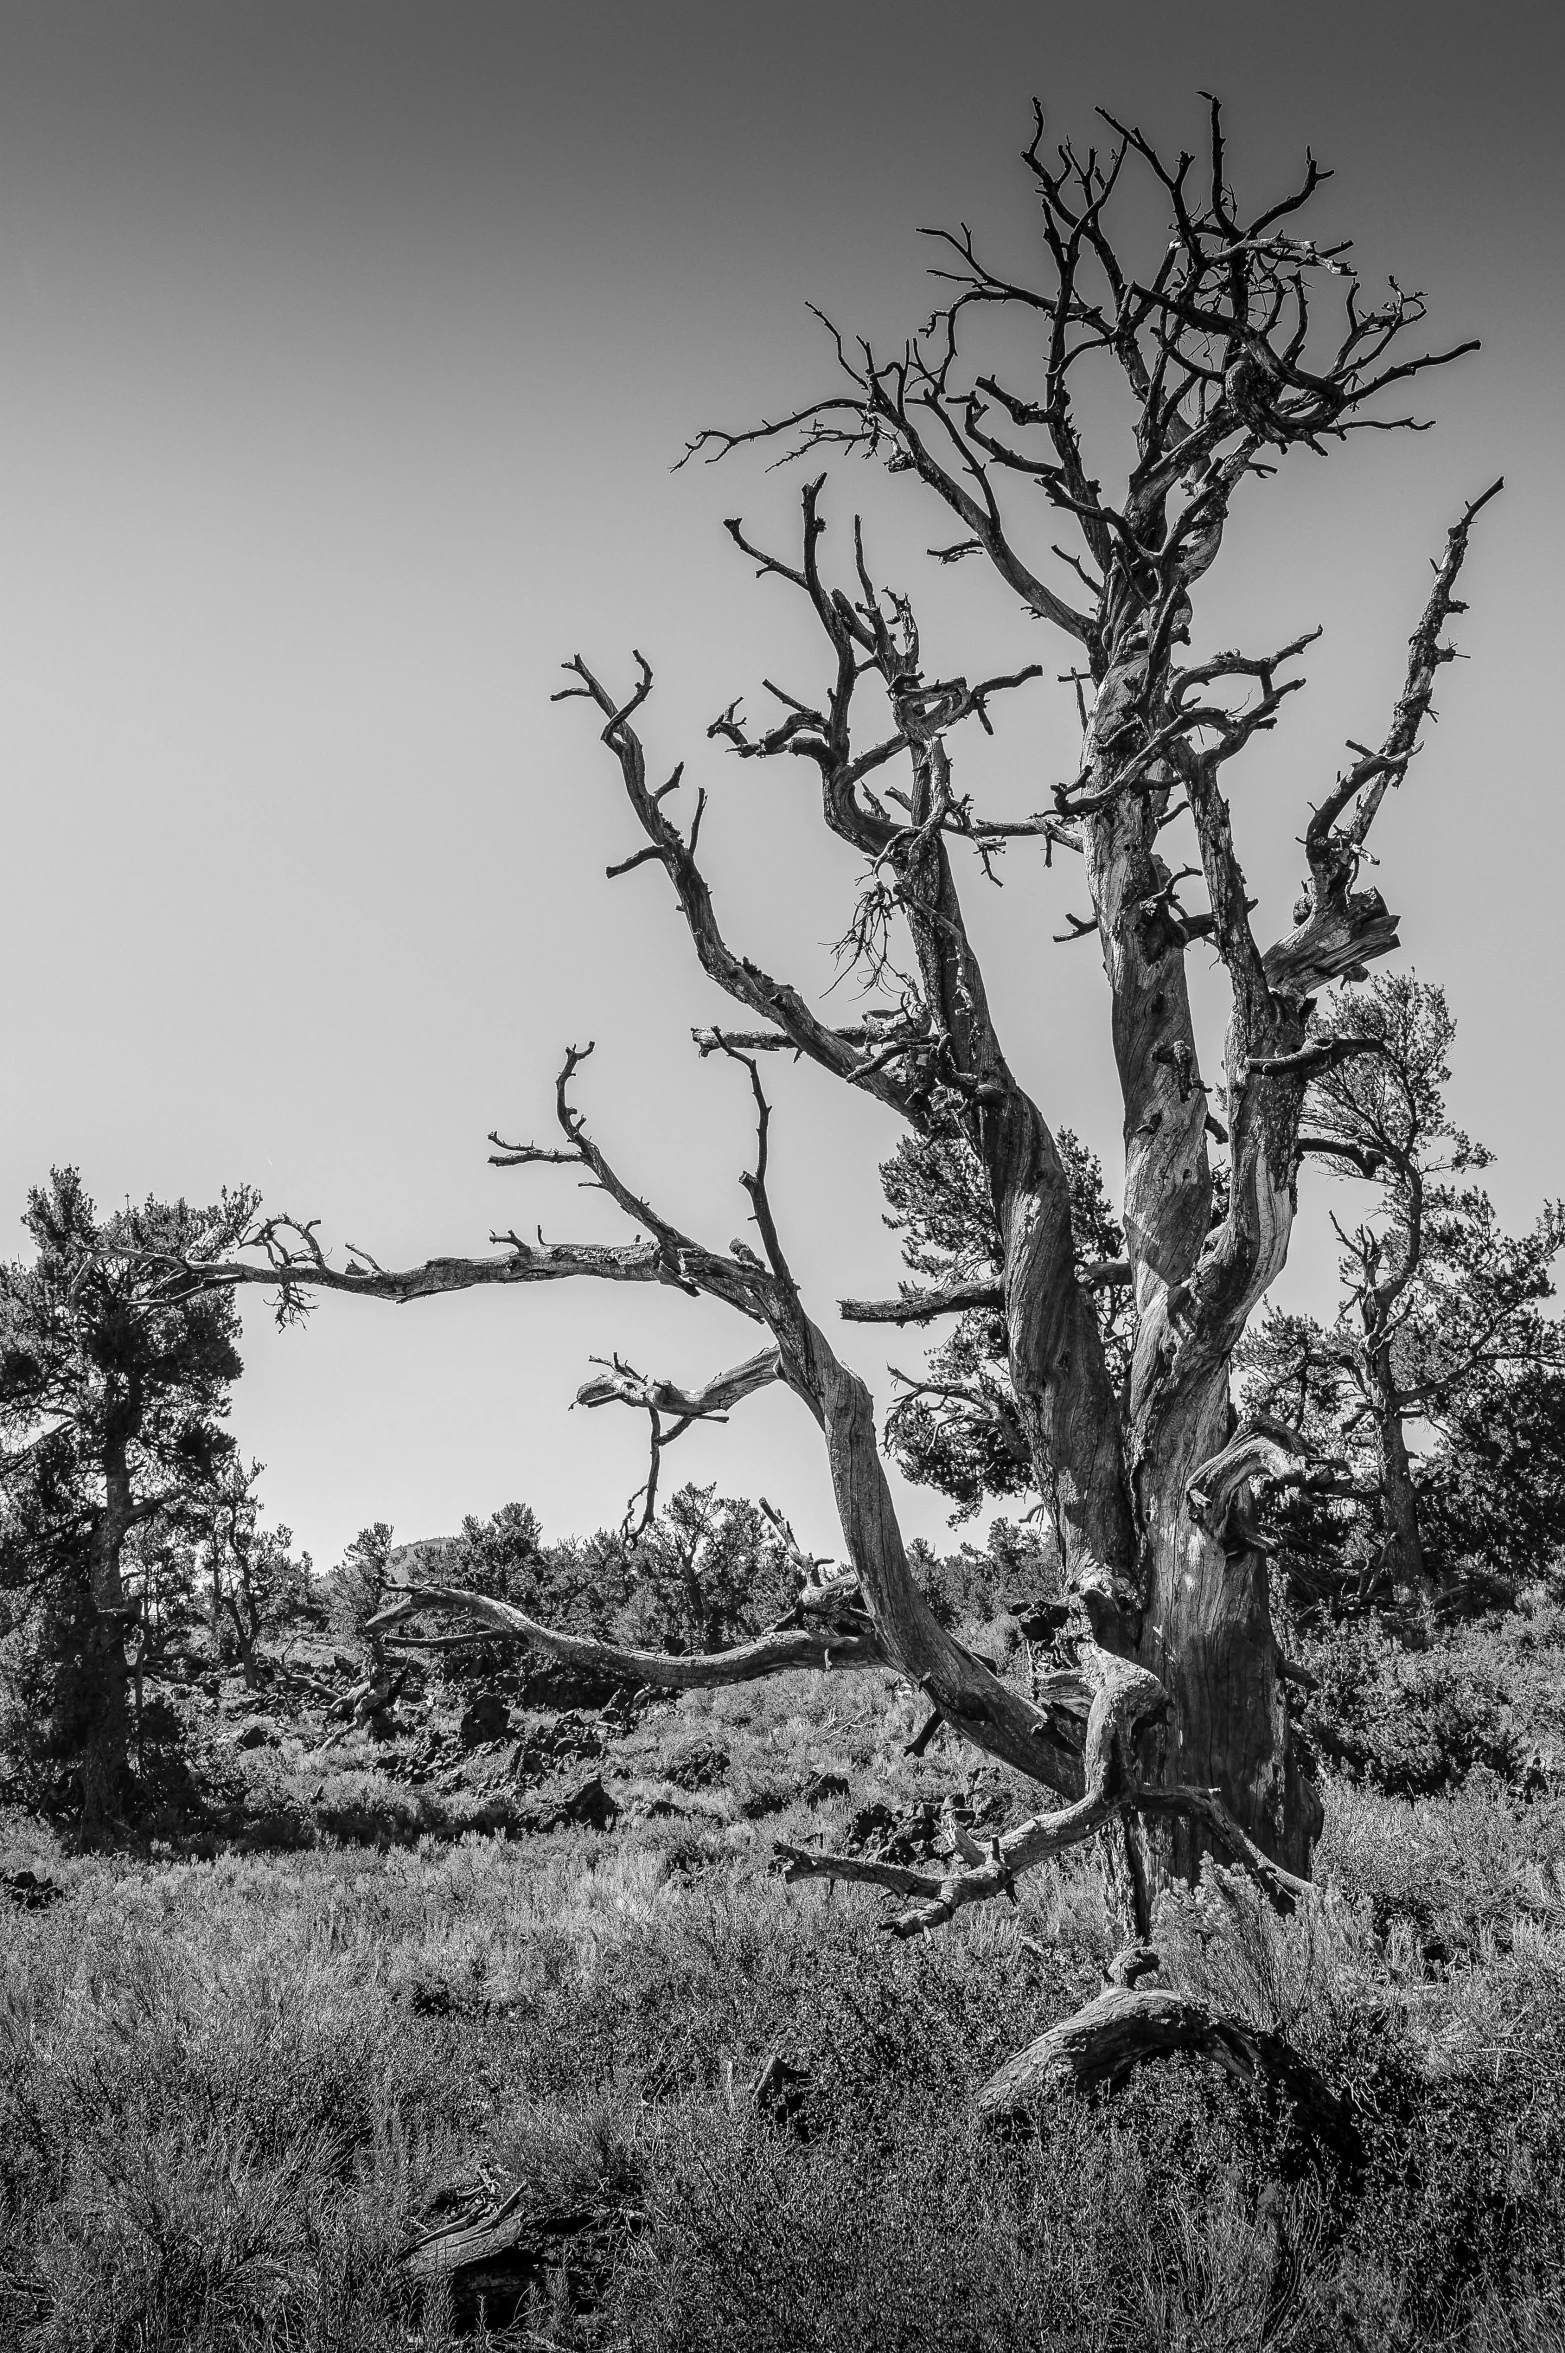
[{"x": 347, "y": 352}]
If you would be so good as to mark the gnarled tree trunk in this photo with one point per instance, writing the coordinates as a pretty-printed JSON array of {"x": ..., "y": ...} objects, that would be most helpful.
[{"x": 1171, "y": 1718}]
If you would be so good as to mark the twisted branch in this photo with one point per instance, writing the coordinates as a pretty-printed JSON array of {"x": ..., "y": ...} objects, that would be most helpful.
[{"x": 1125, "y": 1698}]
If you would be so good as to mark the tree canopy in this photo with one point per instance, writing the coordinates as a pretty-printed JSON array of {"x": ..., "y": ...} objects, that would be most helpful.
[
  {"x": 1430, "y": 1408},
  {"x": 114, "y": 1394}
]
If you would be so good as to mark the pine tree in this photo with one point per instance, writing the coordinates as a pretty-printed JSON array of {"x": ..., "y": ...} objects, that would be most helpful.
[
  {"x": 1425, "y": 1423},
  {"x": 115, "y": 1373}
]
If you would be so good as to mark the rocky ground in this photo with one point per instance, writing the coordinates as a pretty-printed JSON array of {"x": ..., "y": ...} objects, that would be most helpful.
[
  {"x": 320, "y": 1749},
  {"x": 477, "y": 2010}
]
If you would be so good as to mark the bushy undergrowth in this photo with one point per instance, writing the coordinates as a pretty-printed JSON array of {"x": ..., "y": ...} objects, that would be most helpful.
[
  {"x": 1415, "y": 1718},
  {"x": 228, "y": 2087}
]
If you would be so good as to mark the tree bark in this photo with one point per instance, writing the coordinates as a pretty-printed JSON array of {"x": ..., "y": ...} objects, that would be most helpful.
[
  {"x": 1402, "y": 1559},
  {"x": 105, "y": 1733},
  {"x": 1203, "y": 1625},
  {"x": 92, "y": 1711}
]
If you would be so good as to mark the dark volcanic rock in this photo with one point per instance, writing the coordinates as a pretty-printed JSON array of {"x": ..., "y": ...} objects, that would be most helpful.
[
  {"x": 500, "y": 1765},
  {"x": 762, "y": 1798},
  {"x": 870, "y": 1825},
  {"x": 586, "y": 1801},
  {"x": 487, "y": 1719},
  {"x": 561, "y": 1683},
  {"x": 912, "y": 1840},
  {"x": 569, "y": 1740}
]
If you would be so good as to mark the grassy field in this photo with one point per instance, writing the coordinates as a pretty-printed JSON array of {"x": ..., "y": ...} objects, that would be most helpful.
[{"x": 232, "y": 2080}]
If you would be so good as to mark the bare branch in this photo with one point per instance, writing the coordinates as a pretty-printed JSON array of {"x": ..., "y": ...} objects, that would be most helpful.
[
  {"x": 769, "y": 1654},
  {"x": 1340, "y": 930},
  {"x": 1364, "y": 1157},
  {"x": 1310, "y": 1060},
  {"x": 524, "y": 1262},
  {"x": 774, "y": 1041},
  {"x": 619, "y": 1383},
  {"x": 774, "y": 1001},
  {"x": 921, "y": 1307},
  {"x": 1125, "y": 1697}
]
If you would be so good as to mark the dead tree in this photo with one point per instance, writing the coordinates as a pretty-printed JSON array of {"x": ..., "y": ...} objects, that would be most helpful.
[{"x": 1172, "y": 1722}]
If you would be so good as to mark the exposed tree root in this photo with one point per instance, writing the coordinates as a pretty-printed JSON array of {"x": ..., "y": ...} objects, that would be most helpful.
[{"x": 1097, "y": 2047}]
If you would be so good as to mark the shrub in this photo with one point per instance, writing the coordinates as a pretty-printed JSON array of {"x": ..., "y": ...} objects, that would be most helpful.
[{"x": 1412, "y": 1722}]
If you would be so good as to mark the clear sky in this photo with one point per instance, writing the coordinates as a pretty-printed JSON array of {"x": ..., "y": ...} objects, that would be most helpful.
[{"x": 345, "y": 352}]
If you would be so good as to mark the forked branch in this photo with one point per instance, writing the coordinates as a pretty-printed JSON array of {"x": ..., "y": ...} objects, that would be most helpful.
[{"x": 1126, "y": 1697}]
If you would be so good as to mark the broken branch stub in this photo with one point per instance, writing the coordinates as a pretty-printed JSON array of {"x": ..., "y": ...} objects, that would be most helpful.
[{"x": 620, "y": 1384}]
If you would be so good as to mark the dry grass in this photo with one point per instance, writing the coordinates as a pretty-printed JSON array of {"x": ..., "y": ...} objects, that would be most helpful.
[{"x": 227, "y": 2085}]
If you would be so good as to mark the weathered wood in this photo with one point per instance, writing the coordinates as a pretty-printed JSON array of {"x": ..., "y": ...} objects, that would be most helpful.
[
  {"x": 1097, "y": 2047},
  {"x": 490, "y": 2257},
  {"x": 1125, "y": 1697},
  {"x": 1185, "y": 1735},
  {"x": 777, "y": 1653}
]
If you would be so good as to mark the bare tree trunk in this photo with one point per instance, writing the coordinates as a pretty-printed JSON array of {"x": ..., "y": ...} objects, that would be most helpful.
[
  {"x": 1207, "y": 1635},
  {"x": 1199, "y": 1613},
  {"x": 105, "y": 1743},
  {"x": 245, "y": 1619}
]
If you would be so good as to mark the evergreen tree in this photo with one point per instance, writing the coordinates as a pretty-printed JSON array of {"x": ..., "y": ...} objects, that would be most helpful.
[
  {"x": 708, "y": 1570},
  {"x": 361, "y": 1584},
  {"x": 956, "y": 1428},
  {"x": 115, "y": 1373},
  {"x": 256, "y": 1584},
  {"x": 1430, "y": 1411}
]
